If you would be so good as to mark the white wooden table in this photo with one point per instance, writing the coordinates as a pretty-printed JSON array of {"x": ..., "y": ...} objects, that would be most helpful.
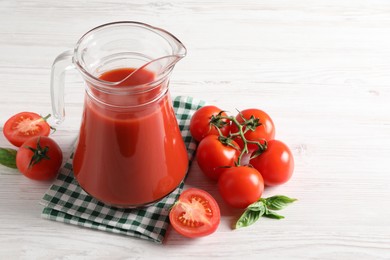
[{"x": 321, "y": 69}]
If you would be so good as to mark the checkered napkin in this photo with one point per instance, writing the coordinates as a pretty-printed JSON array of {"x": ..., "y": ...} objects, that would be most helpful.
[{"x": 66, "y": 202}]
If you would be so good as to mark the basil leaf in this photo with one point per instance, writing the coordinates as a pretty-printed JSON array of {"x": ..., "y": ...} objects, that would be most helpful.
[
  {"x": 257, "y": 206},
  {"x": 278, "y": 202},
  {"x": 8, "y": 157},
  {"x": 271, "y": 214},
  {"x": 251, "y": 214},
  {"x": 263, "y": 208}
]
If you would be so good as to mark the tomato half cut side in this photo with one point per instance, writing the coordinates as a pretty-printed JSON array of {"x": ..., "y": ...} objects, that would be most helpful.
[
  {"x": 195, "y": 214},
  {"x": 22, "y": 126}
]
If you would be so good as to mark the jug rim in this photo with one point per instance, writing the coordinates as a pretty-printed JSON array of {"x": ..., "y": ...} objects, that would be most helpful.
[{"x": 107, "y": 85}]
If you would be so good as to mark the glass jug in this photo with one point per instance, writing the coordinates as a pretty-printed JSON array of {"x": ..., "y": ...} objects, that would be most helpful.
[{"x": 130, "y": 151}]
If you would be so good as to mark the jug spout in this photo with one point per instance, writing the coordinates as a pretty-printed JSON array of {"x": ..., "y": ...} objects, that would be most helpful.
[
  {"x": 179, "y": 51},
  {"x": 161, "y": 66},
  {"x": 167, "y": 62}
]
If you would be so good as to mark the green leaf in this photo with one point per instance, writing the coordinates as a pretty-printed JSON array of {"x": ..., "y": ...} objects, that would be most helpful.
[
  {"x": 278, "y": 202},
  {"x": 8, "y": 157},
  {"x": 251, "y": 214},
  {"x": 263, "y": 208},
  {"x": 271, "y": 214},
  {"x": 257, "y": 206}
]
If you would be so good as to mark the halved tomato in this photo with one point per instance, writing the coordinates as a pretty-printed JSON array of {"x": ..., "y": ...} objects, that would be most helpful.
[
  {"x": 195, "y": 214},
  {"x": 22, "y": 126}
]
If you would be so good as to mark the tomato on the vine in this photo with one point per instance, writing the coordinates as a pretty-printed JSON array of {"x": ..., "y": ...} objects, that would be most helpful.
[
  {"x": 213, "y": 156},
  {"x": 195, "y": 214},
  {"x": 200, "y": 126},
  {"x": 240, "y": 186},
  {"x": 264, "y": 131},
  {"x": 276, "y": 163},
  {"x": 39, "y": 158},
  {"x": 22, "y": 126}
]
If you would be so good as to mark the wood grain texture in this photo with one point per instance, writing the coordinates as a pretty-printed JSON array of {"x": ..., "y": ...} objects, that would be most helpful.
[{"x": 321, "y": 69}]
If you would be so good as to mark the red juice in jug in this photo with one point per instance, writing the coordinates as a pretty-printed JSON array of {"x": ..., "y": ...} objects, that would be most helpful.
[{"x": 129, "y": 157}]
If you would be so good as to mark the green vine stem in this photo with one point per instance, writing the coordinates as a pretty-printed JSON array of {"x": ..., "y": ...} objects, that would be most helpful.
[
  {"x": 217, "y": 122},
  {"x": 45, "y": 119}
]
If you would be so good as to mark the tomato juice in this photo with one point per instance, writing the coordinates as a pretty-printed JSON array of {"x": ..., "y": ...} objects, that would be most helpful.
[{"x": 129, "y": 156}]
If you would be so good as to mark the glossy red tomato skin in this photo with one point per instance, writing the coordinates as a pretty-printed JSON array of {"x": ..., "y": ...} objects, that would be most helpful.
[
  {"x": 240, "y": 186},
  {"x": 276, "y": 164},
  {"x": 266, "y": 131},
  {"x": 46, "y": 169},
  {"x": 200, "y": 123},
  {"x": 195, "y": 214},
  {"x": 213, "y": 157},
  {"x": 22, "y": 126}
]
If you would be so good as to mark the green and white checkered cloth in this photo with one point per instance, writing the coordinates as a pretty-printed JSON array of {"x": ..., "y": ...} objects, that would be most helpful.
[{"x": 66, "y": 202}]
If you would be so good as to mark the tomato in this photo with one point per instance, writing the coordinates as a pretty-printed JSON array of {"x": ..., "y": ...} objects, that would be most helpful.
[
  {"x": 195, "y": 214},
  {"x": 241, "y": 186},
  {"x": 39, "y": 158},
  {"x": 276, "y": 163},
  {"x": 200, "y": 123},
  {"x": 213, "y": 156},
  {"x": 265, "y": 131},
  {"x": 22, "y": 126}
]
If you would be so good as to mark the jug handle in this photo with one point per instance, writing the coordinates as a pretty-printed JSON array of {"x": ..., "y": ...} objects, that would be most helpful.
[{"x": 61, "y": 64}]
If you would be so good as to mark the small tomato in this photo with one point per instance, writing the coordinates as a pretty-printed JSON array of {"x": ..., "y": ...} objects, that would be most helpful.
[
  {"x": 213, "y": 156},
  {"x": 201, "y": 127},
  {"x": 240, "y": 186},
  {"x": 276, "y": 163},
  {"x": 39, "y": 158},
  {"x": 261, "y": 128}
]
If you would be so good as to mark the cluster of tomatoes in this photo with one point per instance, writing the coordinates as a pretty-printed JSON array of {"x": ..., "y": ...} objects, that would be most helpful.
[
  {"x": 38, "y": 156},
  {"x": 241, "y": 154}
]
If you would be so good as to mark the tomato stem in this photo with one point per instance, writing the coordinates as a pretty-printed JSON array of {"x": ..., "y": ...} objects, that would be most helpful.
[
  {"x": 218, "y": 129},
  {"x": 241, "y": 135},
  {"x": 217, "y": 121},
  {"x": 250, "y": 125},
  {"x": 39, "y": 153},
  {"x": 45, "y": 119}
]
